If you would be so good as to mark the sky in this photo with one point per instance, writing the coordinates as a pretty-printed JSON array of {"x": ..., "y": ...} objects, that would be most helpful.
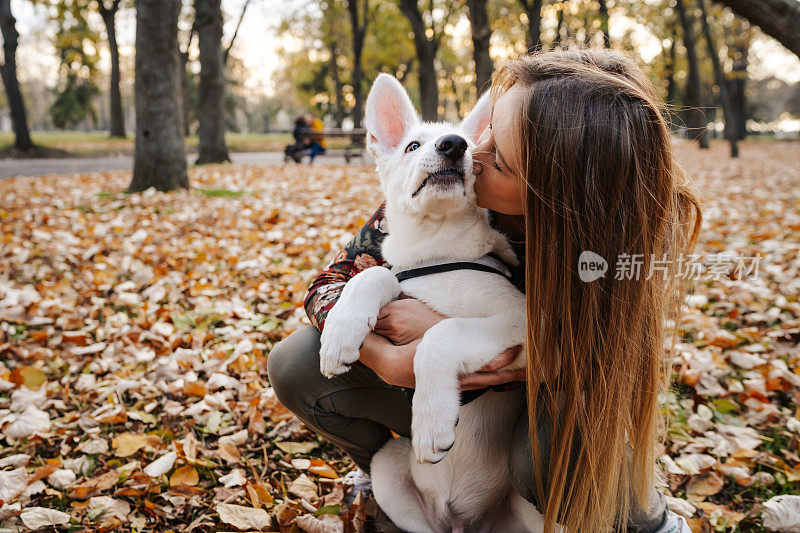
[{"x": 258, "y": 43}]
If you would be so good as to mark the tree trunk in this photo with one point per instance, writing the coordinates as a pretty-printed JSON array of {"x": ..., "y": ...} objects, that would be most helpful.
[
  {"x": 358, "y": 22},
  {"x": 481, "y": 38},
  {"x": 159, "y": 157},
  {"x": 533, "y": 38},
  {"x": 603, "y": 10},
  {"x": 8, "y": 71},
  {"x": 737, "y": 87},
  {"x": 696, "y": 120},
  {"x": 722, "y": 82},
  {"x": 117, "y": 126},
  {"x": 185, "y": 104},
  {"x": 559, "y": 24},
  {"x": 208, "y": 20},
  {"x": 338, "y": 88},
  {"x": 426, "y": 53},
  {"x": 779, "y": 19},
  {"x": 672, "y": 88}
]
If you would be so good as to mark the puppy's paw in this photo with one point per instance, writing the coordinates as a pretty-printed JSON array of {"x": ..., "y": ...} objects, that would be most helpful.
[
  {"x": 433, "y": 430},
  {"x": 340, "y": 344}
]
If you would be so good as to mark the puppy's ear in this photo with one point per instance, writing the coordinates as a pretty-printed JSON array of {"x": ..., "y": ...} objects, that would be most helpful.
[
  {"x": 389, "y": 114},
  {"x": 478, "y": 119}
]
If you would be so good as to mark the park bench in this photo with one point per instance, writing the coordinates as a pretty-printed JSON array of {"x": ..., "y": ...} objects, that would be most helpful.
[{"x": 351, "y": 151}]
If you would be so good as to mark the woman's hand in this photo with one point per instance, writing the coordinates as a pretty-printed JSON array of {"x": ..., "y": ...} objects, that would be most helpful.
[
  {"x": 406, "y": 320},
  {"x": 395, "y": 364},
  {"x": 494, "y": 373}
]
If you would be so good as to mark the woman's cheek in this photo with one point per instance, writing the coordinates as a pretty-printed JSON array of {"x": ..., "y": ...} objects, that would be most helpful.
[{"x": 484, "y": 189}]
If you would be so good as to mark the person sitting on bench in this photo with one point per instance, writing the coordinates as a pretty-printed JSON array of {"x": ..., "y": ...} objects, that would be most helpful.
[{"x": 302, "y": 140}]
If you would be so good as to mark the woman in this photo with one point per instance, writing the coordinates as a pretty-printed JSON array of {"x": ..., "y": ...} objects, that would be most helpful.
[{"x": 577, "y": 158}]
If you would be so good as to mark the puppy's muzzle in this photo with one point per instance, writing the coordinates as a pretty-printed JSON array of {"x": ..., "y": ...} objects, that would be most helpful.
[
  {"x": 451, "y": 147},
  {"x": 445, "y": 176}
]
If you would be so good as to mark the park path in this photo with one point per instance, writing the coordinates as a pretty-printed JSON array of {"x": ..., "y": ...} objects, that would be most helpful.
[{"x": 78, "y": 165}]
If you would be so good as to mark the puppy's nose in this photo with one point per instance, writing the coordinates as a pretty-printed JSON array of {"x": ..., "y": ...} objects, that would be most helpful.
[{"x": 451, "y": 146}]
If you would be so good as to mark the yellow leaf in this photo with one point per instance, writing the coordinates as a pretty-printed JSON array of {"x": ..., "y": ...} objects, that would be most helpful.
[
  {"x": 185, "y": 475},
  {"x": 31, "y": 377},
  {"x": 127, "y": 444}
]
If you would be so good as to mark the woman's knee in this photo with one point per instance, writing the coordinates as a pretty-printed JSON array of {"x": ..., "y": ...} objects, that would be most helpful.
[{"x": 292, "y": 363}]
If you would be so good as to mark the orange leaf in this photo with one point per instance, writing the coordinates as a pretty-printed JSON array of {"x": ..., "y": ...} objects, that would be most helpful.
[
  {"x": 258, "y": 494},
  {"x": 195, "y": 389}
]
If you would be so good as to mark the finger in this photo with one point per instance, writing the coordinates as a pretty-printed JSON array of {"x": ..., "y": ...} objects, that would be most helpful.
[
  {"x": 480, "y": 380},
  {"x": 502, "y": 360}
]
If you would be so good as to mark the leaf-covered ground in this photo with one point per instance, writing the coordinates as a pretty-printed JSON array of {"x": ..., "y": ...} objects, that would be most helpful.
[{"x": 135, "y": 330}]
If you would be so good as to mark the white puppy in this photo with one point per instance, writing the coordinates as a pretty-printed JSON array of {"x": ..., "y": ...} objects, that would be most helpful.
[{"x": 453, "y": 475}]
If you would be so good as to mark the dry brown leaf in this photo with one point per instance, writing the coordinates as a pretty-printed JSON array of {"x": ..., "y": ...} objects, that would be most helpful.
[
  {"x": 302, "y": 487},
  {"x": 703, "y": 485},
  {"x": 243, "y": 517}
]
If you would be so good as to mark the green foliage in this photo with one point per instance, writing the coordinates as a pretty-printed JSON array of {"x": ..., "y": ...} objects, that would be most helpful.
[
  {"x": 220, "y": 193},
  {"x": 77, "y": 44},
  {"x": 73, "y": 104}
]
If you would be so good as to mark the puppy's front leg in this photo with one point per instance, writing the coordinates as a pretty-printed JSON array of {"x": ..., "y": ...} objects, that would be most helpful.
[
  {"x": 452, "y": 348},
  {"x": 353, "y": 317}
]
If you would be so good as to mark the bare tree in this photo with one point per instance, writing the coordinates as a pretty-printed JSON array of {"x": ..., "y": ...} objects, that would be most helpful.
[
  {"x": 208, "y": 21},
  {"x": 696, "y": 120},
  {"x": 670, "y": 66},
  {"x": 533, "y": 37},
  {"x": 721, "y": 80},
  {"x": 184, "y": 74},
  {"x": 481, "y": 39},
  {"x": 738, "y": 81},
  {"x": 358, "y": 22},
  {"x": 603, "y": 10},
  {"x": 426, "y": 53},
  {"x": 559, "y": 24},
  {"x": 160, "y": 156},
  {"x": 109, "y": 13},
  {"x": 8, "y": 71},
  {"x": 779, "y": 19}
]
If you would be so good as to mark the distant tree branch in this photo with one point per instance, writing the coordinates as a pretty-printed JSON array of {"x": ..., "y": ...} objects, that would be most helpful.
[
  {"x": 235, "y": 33},
  {"x": 779, "y": 19}
]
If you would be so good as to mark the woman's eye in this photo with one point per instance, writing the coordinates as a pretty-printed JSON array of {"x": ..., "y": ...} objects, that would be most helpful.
[
  {"x": 497, "y": 166},
  {"x": 413, "y": 145}
]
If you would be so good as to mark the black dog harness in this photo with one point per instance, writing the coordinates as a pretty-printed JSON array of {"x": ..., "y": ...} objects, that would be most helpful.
[{"x": 490, "y": 262}]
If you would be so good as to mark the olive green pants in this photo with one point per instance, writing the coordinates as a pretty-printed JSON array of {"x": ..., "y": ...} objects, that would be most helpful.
[{"x": 357, "y": 411}]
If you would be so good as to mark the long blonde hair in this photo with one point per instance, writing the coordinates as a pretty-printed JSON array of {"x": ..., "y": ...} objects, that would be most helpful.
[{"x": 600, "y": 176}]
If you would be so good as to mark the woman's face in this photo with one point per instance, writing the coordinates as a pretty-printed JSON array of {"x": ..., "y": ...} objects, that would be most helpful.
[{"x": 499, "y": 180}]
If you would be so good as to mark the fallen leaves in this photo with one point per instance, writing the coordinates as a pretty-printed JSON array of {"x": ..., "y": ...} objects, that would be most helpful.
[
  {"x": 185, "y": 475},
  {"x": 782, "y": 513},
  {"x": 135, "y": 330},
  {"x": 127, "y": 444},
  {"x": 162, "y": 465},
  {"x": 242, "y": 517},
  {"x": 39, "y": 517}
]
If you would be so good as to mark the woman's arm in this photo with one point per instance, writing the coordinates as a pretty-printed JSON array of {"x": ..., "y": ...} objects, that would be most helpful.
[
  {"x": 363, "y": 251},
  {"x": 403, "y": 321}
]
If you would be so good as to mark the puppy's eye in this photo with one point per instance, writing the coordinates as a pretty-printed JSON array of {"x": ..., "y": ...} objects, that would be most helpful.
[{"x": 413, "y": 145}]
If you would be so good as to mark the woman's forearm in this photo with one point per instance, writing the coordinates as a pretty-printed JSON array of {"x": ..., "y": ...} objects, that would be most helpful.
[{"x": 393, "y": 364}]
